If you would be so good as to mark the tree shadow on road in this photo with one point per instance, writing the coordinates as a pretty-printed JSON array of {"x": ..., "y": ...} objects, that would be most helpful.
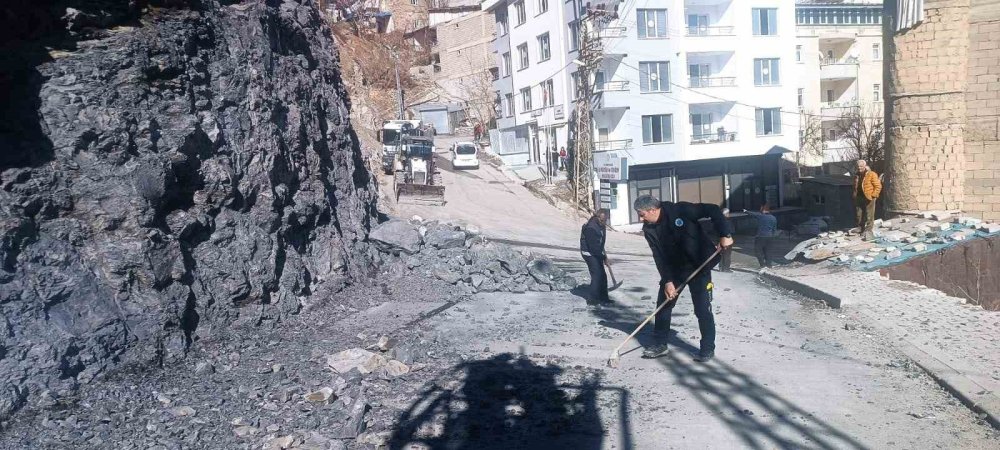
[
  {"x": 761, "y": 417},
  {"x": 504, "y": 402}
]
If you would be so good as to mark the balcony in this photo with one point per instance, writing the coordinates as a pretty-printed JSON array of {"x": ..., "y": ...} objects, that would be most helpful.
[
  {"x": 714, "y": 138},
  {"x": 613, "y": 86},
  {"x": 832, "y": 69},
  {"x": 706, "y": 82},
  {"x": 612, "y": 95},
  {"x": 608, "y": 146},
  {"x": 700, "y": 31},
  {"x": 832, "y": 110},
  {"x": 612, "y": 32}
]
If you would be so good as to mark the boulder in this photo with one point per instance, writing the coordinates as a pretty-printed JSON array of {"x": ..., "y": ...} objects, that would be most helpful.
[
  {"x": 396, "y": 236},
  {"x": 544, "y": 271},
  {"x": 363, "y": 360},
  {"x": 445, "y": 239}
]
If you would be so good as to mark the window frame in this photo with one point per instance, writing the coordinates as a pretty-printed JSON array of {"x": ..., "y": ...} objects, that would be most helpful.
[
  {"x": 775, "y": 120},
  {"x": 877, "y": 92},
  {"x": 646, "y": 79},
  {"x": 548, "y": 93},
  {"x": 526, "y": 99},
  {"x": 523, "y": 57},
  {"x": 521, "y": 11},
  {"x": 507, "y": 62},
  {"x": 543, "y": 7},
  {"x": 510, "y": 104},
  {"x": 759, "y": 26},
  {"x": 574, "y": 35},
  {"x": 668, "y": 119},
  {"x": 642, "y": 27},
  {"x": 773, "y": 72},
  {"x": 876, "y": 51},
  {"x": 544, "y": 51}
]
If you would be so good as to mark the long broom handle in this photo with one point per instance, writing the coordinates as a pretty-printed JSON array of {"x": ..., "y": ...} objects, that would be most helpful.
[{"x": 681, "y": 288}]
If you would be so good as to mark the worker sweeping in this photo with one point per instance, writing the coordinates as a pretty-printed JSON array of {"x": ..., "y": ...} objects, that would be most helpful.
[
  {"x": 592, "y": 238},
  {"x": 683, "y": 252}
]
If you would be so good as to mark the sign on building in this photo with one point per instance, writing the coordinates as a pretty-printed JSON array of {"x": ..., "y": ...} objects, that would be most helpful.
[{"x": 611, "y": 166}]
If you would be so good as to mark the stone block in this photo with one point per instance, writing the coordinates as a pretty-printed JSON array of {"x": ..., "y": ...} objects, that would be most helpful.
[
  {"x": 918, "y": 247},
  {"x": 989, "y": 228},
  {"x": 877, "y": 223},
  {"x": 895, "y": 253},
  {"x": 960, "y": 236},
  {"x": 941, "y": 226}
]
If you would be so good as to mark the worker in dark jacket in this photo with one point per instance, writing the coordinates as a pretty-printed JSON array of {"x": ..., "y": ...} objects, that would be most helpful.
[
  {"x": 679, "y": 246},
  {"x": 592, "y": 238}
]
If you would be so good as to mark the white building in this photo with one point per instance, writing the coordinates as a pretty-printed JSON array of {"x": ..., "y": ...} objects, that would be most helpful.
[
  {"x": 839, "y": 54},
  {"x": 533, "y": 86},
  {"x": 699, "y": 98}
]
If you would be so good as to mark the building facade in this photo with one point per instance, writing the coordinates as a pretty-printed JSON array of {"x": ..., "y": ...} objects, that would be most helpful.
[
  {"x": 464, "y": 64},
  {"x": 945, "y": 110},
  {"x": 532, "y": 88},
  {"x": 698, "y": 100},
  {"x": 839, "y": 56}
]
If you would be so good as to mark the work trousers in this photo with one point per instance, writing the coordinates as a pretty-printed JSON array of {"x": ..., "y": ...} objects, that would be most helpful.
[
  {"x": 700, "y": 288},
  {"x": 762, "y": 247},
  {"x": 865, "y": 214},
  {"x": 598, "y": 278}
]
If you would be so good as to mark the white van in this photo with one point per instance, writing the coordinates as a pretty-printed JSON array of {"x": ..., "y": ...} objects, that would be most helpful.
[{"x": 465, "y": 155}]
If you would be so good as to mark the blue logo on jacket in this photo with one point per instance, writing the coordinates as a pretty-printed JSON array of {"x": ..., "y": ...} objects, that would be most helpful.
[{"x": 679, "y": 222}]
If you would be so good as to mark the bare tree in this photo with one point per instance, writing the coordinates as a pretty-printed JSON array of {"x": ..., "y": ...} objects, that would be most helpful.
[
  {"x": 810, "y": 141},
  {"x": 478, "y": 96},
  {"x": 863, "y": 129}
]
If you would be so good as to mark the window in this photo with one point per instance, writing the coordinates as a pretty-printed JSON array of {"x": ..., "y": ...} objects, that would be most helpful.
[
  {"x": 576, "y": 85},
  {"x": 519, "y": 10},
  {"x": 876, "y": 92},
  {"x": 652, "y": 23},
  {"x": 765, "y": 72},
  {"x": 501, "y": 23},
  {"x": 654, "y": 76},
  {"x": 522, "y": 55},
  {"x": 768, "y": 121},
  {"x": 526, "y": 99},
  {"x": 657, "y": 129},
  {"x": 548, "y": 93},
  {"x": 765, "y": 21},
  {"x": 574, "y": 35},
  {"x": 599, "y": 80},
  {"x": 509, "y": 104},
  {"x": 697, "y": 25},
  {"x": 798, "y": 53},
  {"x": 876, "y": 52},
  {"x": 829, "y": 95},
  {"x": 507, "y": 65},
  {"x": 543, "y": 6},
  {"x": 544, "y": 53},
  {"x": 831, "y": 135},
  {"x": 800, "y": 96},
  {"x": 699, "y": 75},
  {"x": 413, "y": 2},
  {"x": 701, "y": 126}
]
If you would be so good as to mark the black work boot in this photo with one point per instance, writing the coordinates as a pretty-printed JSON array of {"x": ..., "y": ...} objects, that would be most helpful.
[
  {"x": 655, "y": 351},
  {"x": 704, "y": 356}
]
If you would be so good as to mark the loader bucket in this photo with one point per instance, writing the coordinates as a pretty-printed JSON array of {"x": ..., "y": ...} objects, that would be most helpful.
[{"x": 420, "y": 194}]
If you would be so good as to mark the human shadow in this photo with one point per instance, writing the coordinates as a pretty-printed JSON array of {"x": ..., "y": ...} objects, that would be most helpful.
[
  {"x": 761, "y": 417},
  {"x": 623, "y": 319},
  {"x": 503, "y": 402}
]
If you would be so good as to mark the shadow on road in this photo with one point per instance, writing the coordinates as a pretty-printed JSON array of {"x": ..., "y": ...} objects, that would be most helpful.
[
  {"x": 506, "y": 402},
  {"x": 759, "y": 416}
]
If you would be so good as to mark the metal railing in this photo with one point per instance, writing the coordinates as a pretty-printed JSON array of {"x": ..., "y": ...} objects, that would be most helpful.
[
  {"x": 712, "y": 138},
  {"x": 831, "y": 61},
  {"x": 843, "y": 104},
  {"x": 704, "y": 82},
  {"x": 607, "y": 146},
  {"x": 711, "y": 31},
  {"x": 609, "y": 86}
]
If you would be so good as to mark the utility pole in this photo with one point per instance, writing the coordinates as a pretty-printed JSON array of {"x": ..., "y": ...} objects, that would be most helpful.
[
  {"x": 399, "y": 90},
  {"x": 590, "y": 54}
]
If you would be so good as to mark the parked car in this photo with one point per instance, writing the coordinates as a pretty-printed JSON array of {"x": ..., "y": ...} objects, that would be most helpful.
[{"x": 465, "y": 155}]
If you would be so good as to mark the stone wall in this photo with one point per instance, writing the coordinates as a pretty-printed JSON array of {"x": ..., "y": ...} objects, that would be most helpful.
[
  {"x": 945, "y": 110},
  {"x": 982, "y": 101},
  {"x": 465, "y": 48}
]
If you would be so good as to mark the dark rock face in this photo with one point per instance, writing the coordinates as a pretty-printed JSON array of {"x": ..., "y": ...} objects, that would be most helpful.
[{"x": 165, "y": 178}]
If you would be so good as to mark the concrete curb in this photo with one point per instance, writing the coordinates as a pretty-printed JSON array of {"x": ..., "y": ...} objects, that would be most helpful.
[
  {"x": 800, "y": 288},
  {"x": 951, "y": 379}
]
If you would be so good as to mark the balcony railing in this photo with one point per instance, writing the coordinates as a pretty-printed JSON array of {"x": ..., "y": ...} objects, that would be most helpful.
[
  {"x": 612, "y": 32},
  {"x": 711, "y": 31},
  {"x": 607, "y": 146},
  {"x": 704, "y": 82},
  {"x": 713, "y": 138},
  {"x": 829, "y": 61},
  {"x": 611, "y": 86}
]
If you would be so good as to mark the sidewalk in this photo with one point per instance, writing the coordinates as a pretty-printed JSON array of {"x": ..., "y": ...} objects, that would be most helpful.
[{"x": 956, "y": 343}]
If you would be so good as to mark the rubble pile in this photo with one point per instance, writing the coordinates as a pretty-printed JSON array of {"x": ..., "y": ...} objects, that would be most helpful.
[
  {"x": 896, "y": 239},
  {"x": 460, "y": 256}
]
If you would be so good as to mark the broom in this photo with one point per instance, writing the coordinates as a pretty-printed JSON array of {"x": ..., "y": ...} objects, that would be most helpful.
[{"x": 615, "y": 355}]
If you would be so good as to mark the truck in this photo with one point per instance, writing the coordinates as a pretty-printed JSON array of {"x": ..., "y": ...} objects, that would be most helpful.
[
  {"x": 418, "y": 180},
  {"x": 391, "y": 137}
]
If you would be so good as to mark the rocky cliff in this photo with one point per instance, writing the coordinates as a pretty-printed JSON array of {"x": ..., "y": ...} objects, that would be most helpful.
[{"x": 167, "y": 168}]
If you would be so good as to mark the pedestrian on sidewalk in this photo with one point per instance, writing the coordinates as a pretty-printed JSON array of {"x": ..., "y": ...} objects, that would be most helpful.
[
  {"x": 767, "y": 233},
  {"x": 562, "y": 158},
  {"x": 867, "y": 188},
  {"x": 726, "y": 255},
  {"x": 478, "y": 131},
  {"x": 592, "y": 238},
  {"x": 679, "y": 246}
]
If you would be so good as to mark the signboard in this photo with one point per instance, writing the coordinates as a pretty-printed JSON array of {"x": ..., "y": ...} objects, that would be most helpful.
[
  {"x": 558, "y": 113},
  {"x": 611, "y": 166}
]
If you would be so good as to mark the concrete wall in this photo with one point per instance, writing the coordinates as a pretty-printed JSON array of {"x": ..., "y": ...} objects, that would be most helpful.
[
  {"x": 946, "y": 110},
  {"x": 464, "y": 46}
]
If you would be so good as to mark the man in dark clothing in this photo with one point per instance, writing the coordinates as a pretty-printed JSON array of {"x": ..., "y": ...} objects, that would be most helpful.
[
  {"x": 679, "y": 246},
  {"x": 726, "y": 255},
  {"x": 767, "y": 233},
  {"x": 592, "y": 238}
]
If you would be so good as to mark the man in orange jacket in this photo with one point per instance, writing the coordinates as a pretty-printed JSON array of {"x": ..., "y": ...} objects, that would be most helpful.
[{"x": 867, "y": 188}]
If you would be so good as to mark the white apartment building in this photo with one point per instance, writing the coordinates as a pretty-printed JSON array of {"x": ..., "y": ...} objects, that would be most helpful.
[
  {"x": 839, "y": 55},
  {"x": 533, "y": 88},
  {"x": 698, "y": 100}
]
